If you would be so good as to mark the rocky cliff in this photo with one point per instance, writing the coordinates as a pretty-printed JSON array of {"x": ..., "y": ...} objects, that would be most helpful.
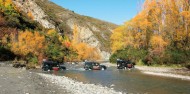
[
  {"x": 91, "y": 31},
  {"x": 38, "y": 14}
]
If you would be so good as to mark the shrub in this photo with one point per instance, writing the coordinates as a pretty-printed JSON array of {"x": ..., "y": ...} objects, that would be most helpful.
[
  {"x": 172, "y": 57},
  {"x": 140, "y": 62},
  {"x": 54, "y": 52},
  {"x": 6, "y": 54},
  {"x": 121, "y": 54},
  {"x": 129, "y": 54},
  {"x": 13, "y": 21},
  {"x": 33, "y": 60},
  {"x": 187, "y": 66},
  {"x": 176, "y": 57}
]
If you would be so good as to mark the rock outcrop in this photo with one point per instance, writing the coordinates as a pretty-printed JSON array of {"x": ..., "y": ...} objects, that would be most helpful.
[{"x": 38, "y": 14}]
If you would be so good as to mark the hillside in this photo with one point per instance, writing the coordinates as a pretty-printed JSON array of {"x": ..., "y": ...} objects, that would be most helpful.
[{"x": 92, "y": 31}]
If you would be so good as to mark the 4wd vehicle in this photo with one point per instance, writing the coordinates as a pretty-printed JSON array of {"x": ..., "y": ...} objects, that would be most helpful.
[
  {"x": 94, "y": 66},
  {"x": 122, "y": 64},
  {"x": 51, "y": 65}
]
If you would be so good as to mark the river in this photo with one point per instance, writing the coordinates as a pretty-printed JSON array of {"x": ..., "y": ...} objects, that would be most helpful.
[{"x": 128, "y": 81}]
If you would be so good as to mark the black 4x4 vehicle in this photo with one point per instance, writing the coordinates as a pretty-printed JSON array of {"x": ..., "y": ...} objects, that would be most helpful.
[
  {"x": 123, "y": 64},
  {"x": 51, "y": 65},
  {"x": 94, "y": 66}
]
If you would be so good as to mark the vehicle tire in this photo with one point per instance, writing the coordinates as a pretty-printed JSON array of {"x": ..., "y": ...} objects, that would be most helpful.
[
  {"x": 44, "y": 69},
  {"x": 102, "y": 68},
  {"x": 125, "y": 68},
  {"x": 86, "y": 68},
  {"x": 63, "y": 68}
]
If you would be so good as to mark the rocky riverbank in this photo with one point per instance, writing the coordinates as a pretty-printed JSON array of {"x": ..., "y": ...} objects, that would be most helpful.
[
  {"x": 22, "y": 81},
  {"x": 75, "y": 87},
  {"x": 181, "y": 73}
]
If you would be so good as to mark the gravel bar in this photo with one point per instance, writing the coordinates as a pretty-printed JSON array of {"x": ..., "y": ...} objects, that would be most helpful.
[
  {"x": 75, "y": 87},
  {"x": 181, "y": 73}
]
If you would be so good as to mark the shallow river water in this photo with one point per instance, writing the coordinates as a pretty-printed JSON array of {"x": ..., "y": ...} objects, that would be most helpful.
[{"x": 128, "y": 81}]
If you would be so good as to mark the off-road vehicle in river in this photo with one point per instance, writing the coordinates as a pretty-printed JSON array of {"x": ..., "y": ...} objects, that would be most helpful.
[
  {"x": 52, "y": 65},
  {"x": 94, "y": 66},
  {"x": 124, "y": 64}
]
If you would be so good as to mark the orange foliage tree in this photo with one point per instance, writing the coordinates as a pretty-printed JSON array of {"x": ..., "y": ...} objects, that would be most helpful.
[
  {"x": 161, "y": 25},
  {"x": 158, "y": 45},
  {"x": 118, "y": 39},
  {"x": 86, "y": 52},
  {"x": 7, "y": 3},
  {"x": 76, "y": 38},
  {"x": 156, "y": 18},
  {"x": 83, "y": 50},
  {"x": 30, "y": 15},
  {"x": 28, "y": 43}
]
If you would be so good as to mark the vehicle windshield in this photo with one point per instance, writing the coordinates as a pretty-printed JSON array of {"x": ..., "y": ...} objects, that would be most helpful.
[
  {"x": 96, "y": 64},
  {"x": 92, "y": 63}
]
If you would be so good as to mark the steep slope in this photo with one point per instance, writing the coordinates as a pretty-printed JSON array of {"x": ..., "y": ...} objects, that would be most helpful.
[{"x": 92, "y": 31}]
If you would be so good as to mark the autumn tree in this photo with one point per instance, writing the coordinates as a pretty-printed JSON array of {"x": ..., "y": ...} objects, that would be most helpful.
[
  {"x": 86, "y": 52},
  {"x": 158, "y": 46},
  {"x": 76, "y": 38},
  {"x": 161, "y": 28},
  {"x": 28, "y": 43},
  {"x": 55, "y": 49},
  {"x": 30, "y": 15},
  {"x": 118, "y": 39},
  {"x": 83, "y": 50}
]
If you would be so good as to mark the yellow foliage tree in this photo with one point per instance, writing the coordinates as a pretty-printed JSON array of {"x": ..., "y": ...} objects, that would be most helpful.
[
  {"x": 118, "y": 39},
  {"x": 4, "y": 40},
  {"x": 186, "y": 34},
  {"x": 30, "y": 15},
  {"x": 155, "y": 19},
  {"x": 51, "y": 32},
  {"x": 1, "y": 2},
  {"x": 158, "y": 46},
  {"x": 66, "y": 42},
  {"x": 158, "y": 42},
  {"x": 5, "y": 3},
  {"x": 28, "y": 42},
  {"x": 84, "y": 51},
  {"x": 161, "y": 25},
  {"x": 76, "y": 38}
]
